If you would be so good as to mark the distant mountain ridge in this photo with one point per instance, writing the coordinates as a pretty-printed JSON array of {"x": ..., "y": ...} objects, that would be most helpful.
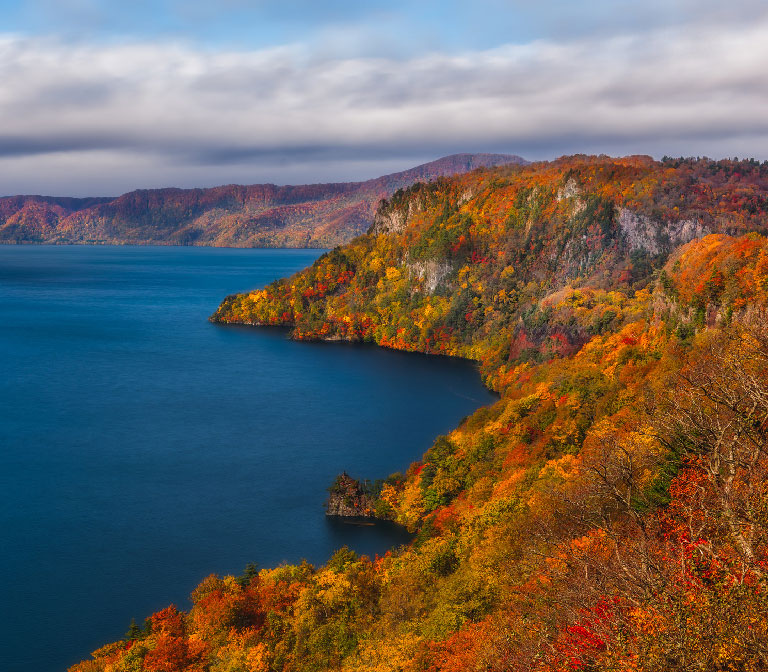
[{"x": 260, "y": 215}]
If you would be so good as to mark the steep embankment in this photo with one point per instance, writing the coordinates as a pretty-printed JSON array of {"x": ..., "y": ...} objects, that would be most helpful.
[
  {"x": 261, "y": 215},
  {"x": 609, "y": 511}
]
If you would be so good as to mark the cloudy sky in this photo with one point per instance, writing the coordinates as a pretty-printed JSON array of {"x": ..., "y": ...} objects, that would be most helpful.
[{"x": 99, "y": 97}]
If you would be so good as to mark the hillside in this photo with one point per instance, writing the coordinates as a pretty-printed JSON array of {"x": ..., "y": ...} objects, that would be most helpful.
[
  {"x": 610, "y": 511},
  {"x": 262, "y": 215}
]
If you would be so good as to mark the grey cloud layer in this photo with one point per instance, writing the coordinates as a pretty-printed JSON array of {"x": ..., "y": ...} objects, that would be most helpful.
[{"x": 173, "y": 111}]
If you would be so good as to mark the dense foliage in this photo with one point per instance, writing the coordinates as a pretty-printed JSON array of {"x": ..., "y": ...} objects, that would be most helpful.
[{"x": 610, "y": 511}]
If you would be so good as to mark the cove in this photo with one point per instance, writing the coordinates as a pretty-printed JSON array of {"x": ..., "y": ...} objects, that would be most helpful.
[{"x": 144, "y": 448}]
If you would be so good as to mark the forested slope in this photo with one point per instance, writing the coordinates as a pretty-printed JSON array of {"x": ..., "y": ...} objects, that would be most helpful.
[{"x": 610, "y": 511}]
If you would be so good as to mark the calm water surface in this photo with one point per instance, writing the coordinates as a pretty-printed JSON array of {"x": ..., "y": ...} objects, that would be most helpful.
[{"x": 142, "y": 448}]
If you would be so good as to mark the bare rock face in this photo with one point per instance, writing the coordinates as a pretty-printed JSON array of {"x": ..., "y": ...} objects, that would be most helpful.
[
  {"x": 389, "y": 222},
  {"x": 348, "y": 499},
  {"x": 431, "y": 273},
  {"x": 643, "y": 233},
  {"x": 570, "y": 190},
  {"x": 393, "y": 219}
]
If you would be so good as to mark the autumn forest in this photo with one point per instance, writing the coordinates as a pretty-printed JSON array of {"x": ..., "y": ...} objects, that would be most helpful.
[{"x": 610, "y": 510}]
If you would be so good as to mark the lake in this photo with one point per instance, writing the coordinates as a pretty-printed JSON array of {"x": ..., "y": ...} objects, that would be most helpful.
[{"x": 143, "y": 448}]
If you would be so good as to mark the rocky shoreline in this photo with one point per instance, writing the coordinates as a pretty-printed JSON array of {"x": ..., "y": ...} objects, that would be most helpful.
[{"x": 348, "y": 498}]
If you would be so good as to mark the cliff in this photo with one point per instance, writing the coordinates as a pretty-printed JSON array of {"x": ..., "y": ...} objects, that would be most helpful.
[{"x": 262, "y": 215}]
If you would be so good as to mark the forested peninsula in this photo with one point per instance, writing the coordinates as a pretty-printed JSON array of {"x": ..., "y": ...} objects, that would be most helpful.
[{"x": 610, "y": 511}]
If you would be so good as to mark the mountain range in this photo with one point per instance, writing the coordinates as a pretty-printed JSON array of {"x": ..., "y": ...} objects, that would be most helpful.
[{"x": 259, "y": 215}]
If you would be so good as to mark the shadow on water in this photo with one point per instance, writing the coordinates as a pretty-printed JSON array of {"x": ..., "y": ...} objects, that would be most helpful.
[{"x": 366, "y": 536}]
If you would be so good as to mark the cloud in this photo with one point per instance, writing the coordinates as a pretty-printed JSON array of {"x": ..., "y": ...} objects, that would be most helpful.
[
  {"x": 106, "y": 118},
  {"x": 412, "y": 26}
]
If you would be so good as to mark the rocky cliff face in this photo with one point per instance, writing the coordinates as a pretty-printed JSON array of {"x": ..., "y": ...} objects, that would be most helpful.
[
  {"x": 262, "y": 215},
  {"x": 655, "y": 237},
  {"x": 347, "y": 498}
]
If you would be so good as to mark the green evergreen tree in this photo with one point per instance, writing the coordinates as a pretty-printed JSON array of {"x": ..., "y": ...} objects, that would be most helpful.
[
  {"x": 134, "y": 631},
  {"x": 251, "y": 571}
]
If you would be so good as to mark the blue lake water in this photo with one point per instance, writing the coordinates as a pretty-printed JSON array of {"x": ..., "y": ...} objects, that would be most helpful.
[{"x": 143, "y": 448}]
